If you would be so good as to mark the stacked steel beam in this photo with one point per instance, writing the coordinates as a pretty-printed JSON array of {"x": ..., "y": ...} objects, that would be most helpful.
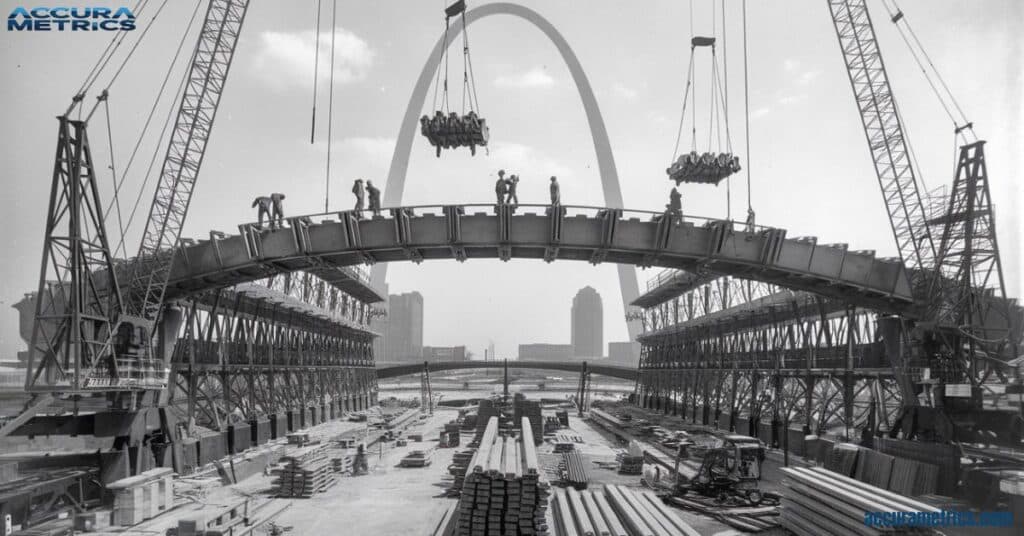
[
  {"x": 615, "y": 511},
  {"x": 574, "y": 472},
  {"x": 503, "y": 492},
  {"x": 819, "y": 501}
]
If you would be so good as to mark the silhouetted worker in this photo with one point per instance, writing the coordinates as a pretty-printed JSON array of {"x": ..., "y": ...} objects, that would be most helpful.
[
  {"x": 513, "y": 197},
  {"x": 277, "y": 212},
  {"x": 675, "y": 203},
  {"x": 556, "y": 192},
  {"x": 264, "y": 203},
  {"x": 750, "y": 220},
  {"x": 360, "y": 193},
  {"x": 374, "y": 197},
  {"x": 501, "y": 187}
]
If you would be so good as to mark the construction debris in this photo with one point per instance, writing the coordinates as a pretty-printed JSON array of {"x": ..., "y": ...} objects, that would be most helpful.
[
  {"x": 503, "y": 491},
  {"x": 629, "y": 465},
  {"x": 819, "y": 501}
]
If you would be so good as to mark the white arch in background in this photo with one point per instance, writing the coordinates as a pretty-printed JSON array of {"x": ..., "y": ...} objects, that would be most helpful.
[{"x": 395, "y": 185}]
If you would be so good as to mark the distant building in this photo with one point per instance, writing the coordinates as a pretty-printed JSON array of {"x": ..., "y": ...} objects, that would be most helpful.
[
  {"x": 379, "y": 325},
  {"x": 545, "y": 352},
  {"x": 624, "y": 353},
  {"x": 404, "y": 331},
  {"x": 444, "y": 353},
  {"x": 587, "y": 324}
]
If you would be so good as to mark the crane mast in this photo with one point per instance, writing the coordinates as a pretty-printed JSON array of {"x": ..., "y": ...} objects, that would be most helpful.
[{"x": 89, "y": 333}]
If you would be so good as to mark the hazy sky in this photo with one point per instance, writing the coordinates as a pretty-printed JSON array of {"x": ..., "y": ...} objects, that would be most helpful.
[{"x": 811, "y": 170}]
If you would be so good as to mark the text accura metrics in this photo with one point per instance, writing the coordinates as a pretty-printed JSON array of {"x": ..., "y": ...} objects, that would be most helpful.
[{"x": 85, "y": 19}]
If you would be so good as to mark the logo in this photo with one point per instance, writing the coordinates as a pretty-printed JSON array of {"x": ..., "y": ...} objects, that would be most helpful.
[{"x": 75, "y": 19}]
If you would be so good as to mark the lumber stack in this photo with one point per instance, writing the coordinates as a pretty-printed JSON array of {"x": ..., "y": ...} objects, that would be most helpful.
[
  {"x": 458, "y": 467},
  {"x": 503, "y": 492},
  {"x": 568, "y": 437},
  {"x": 629, "y": 465},
  {"x": 485, "y": 411},
  {"x": 574, "y": 473},
  {"x": 306, "y": 472},
  {"x": 521, "y": 407},
  {"x": 615, "y": 511},
  {"x": 342, "y": 464},
  {"x": 818, "y": 501}
]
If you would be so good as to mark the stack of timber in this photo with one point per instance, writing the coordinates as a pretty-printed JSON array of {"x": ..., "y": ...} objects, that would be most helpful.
[
  {"x": 521, "y": 407},
  {"x": 629, "y": 465},
  {"x": 564, "y": 446},
  {"x": 342, "y": 464},
  {"x": 458, "y": 467},
  {"x": 615, "y": 511},
  {"x": 818, "y": 501},
  {"x": 568, "y": 437},
  {"x": 574, "y": 473},
  {"x": 306, "y": 472},
  {"x": 141, "y": 497},
  {"x": 563, "y": 418},
  {"x": 503, "y": 493}
]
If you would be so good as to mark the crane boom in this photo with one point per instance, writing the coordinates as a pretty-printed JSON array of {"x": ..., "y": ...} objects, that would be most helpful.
[
  {"x": 207, "y": 74},
  {"x": 884, "y": 131}
]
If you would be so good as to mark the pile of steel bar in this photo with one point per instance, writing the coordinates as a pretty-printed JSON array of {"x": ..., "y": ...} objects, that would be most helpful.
[
  {"x": 574, "y": 473},
  {"x": 503, "y": 492},
  {"x": 745, "y": 518},
  {"x": 819, "y": 501},
  {"x": 306, "y": 472},
  {"x": 615, "y": 511}
]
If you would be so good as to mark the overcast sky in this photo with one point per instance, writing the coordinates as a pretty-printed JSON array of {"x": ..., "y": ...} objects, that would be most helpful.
[{"x": 811, "y": 170}]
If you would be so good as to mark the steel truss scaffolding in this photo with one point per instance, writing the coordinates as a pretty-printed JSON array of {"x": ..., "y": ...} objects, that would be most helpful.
[
  {"x": 286, "y": 343},
  {"x": 735, "y": 349}
]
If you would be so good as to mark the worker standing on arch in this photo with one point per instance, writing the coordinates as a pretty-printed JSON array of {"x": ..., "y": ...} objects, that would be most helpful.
[
  {"x": 360, "y": 193},
  {"x": 556, "y": 192},
  {"x": 277, "y": 212},
  {"x": 374, "y": 198},
  {"x": 675, "y": 204},
  {"x": 501, "y": 187},
  {"x": 263, "y": 203},
  {"x": 513, "y": 197}
]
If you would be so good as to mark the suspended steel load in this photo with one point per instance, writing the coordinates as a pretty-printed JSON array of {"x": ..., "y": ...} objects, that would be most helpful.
[
  {"x": 710, "y": 166},
  {"x": 447, "y": 129}
]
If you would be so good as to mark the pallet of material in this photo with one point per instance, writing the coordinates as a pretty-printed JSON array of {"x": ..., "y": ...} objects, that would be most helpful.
[
  {"x": 818, "y": 501},
  {"x": 342, "y": 464},
  {"x": 629, "y": 465}
]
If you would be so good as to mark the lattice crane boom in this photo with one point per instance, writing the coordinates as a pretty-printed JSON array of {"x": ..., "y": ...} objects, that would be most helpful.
[{"x": 885, "y": 135}]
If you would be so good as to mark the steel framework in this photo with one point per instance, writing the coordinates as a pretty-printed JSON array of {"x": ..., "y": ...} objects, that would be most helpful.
[
  {"x": 78, "y": 300},
  {"x": 257, "y": 350}
]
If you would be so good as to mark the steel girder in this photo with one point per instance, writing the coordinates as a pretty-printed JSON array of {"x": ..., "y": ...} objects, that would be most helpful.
[{"x": 591, "y": 234}]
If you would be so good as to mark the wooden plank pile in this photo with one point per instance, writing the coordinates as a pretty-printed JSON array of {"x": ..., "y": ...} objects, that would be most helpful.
[
  {"x": 911, "y": 477},
  {"x": 874, "y": 468},
  {"x": 141, "y": 497},
  {"x": 842, "y": 459},
  {"x": 818, "y": 501},
  {"x": 342, "y": 464},
  {"x": 629, "y": 465},
  {"x": 503, "y": 493},
  {"x": 306, "y": 472},
  {"x": 522, "y": 407},
  {"x": 574, "y": 472},
  {"x": 615, "y": 511},
  {"x": 568, "y": 437},
  {"x": 458, "y": 467}
]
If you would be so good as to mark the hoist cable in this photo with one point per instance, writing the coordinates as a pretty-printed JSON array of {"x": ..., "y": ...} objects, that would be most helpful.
[
  {"x": 475, "y": 102},
  {"x": 725, "y": 107},
  {"x": 330, "y": 108},
  {"x": 113, "y": 169},
  {"x": 152, "y": 111},
  {"x": 131, "y": 52},
  {"x": 108, "y": 52},
  {"x": 682, "y": 117},
  {"x": 746, "y": 107},
  {"x": 440, "y": 60},
  {"x": 316, "y": 73}
]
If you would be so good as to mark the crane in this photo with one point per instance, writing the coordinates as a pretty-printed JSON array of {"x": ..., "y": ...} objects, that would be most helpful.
[
  {"x": 968, "y": 325},
  {"x": 96, "y": 316}
]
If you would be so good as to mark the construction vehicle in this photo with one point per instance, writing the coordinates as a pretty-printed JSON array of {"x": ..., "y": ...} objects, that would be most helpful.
[{"x": 727, "y": 473}]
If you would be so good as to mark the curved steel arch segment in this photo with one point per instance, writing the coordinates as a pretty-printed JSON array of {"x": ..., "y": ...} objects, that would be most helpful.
[
  {"x": 404, "y": 369},
  {"x": 395, "y": 186}
]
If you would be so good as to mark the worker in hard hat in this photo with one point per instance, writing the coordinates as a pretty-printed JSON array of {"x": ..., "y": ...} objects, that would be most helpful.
[
  {"x": 501, "y": 187},
  {"x": 374, "y": 197},
  {"x": 360, "y": 193},
  {"x": 277, "y": 210}
]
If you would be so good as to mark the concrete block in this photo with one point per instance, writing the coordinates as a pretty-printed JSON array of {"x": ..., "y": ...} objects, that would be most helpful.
[{"x": 239, "y": 437}]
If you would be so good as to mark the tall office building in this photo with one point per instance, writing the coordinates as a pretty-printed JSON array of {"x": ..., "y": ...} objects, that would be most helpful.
[
  {"x": 587, "y": 324},
  {"x": 404, "y": 332}
]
